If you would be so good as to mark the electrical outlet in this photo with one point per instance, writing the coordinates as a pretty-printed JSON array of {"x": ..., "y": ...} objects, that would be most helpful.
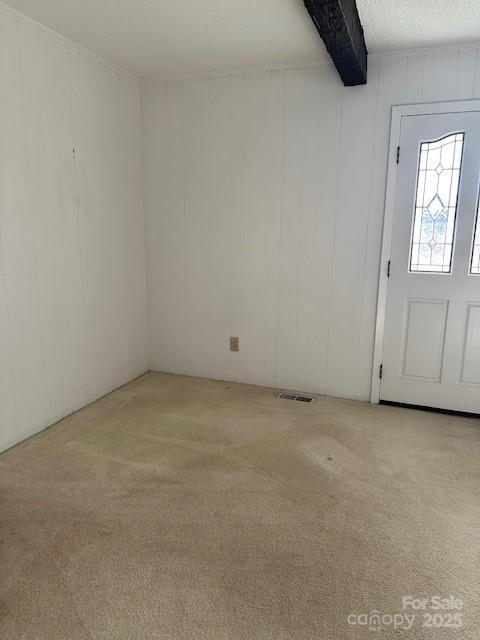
[{"x": 234, "y": 344}]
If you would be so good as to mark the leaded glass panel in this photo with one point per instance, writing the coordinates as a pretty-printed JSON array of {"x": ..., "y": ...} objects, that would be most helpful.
[
  {"x": 436, "y": 204},
  {"x": 475, "y": 263}
]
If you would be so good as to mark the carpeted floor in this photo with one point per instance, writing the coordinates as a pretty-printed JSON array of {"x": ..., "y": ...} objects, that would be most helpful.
[{"x": 180, "y": 508}]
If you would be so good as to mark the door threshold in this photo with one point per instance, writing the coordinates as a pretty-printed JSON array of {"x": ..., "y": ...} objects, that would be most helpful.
[{"x": 420, "y": 407}]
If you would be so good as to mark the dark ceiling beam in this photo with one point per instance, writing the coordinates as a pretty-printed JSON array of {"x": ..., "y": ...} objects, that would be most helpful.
[{"x": 338, "y": 23}]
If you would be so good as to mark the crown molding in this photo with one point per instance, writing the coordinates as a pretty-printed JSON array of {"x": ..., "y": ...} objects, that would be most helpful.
[{"x": 311, "y": 64}]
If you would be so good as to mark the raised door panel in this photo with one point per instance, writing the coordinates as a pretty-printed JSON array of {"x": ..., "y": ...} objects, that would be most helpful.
[
  {"x": 425, "y": 322},
  {"x": 471, "y": 354}
]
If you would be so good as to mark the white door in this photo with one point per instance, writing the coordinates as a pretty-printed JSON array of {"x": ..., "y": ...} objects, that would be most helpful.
[{"x": 431, "y": 351}]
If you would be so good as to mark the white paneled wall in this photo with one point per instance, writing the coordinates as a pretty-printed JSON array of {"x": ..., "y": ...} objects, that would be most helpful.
[
  {"x": 264, "y": 197},
  {"x": 72, "y": 253},
  {"x": 264, "y": 204}
]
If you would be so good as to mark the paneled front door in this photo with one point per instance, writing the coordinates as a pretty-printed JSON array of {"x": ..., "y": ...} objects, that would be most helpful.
[{"x": 431, "y": 350}]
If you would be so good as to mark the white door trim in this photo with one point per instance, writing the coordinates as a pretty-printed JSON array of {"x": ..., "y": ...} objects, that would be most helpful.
[{"x": 398, "y": 112}]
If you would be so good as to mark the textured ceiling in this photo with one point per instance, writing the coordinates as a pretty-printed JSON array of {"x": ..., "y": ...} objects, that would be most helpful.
[
  {"x": 167, "y": 37},
  {"x": 403, "y": 24}
]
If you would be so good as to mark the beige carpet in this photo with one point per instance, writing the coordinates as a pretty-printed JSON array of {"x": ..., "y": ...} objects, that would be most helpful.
[{"x": 180, "y": 508}]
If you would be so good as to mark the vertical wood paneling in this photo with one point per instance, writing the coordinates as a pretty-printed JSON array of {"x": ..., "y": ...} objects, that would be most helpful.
[
  {"x": 292, "y": 217},
  {"x": 8, "y": 417},
  {"x": 252, "y": 235},
  {"x": 311, "y": 196},
  {"x": 164, "y": 182},
  {"x": 19, "y": 247},
  {"x": 8, "y": 66},
  {"x": 465, "y": 74},
  {"x": 235, "y": 241},
  {"x": 44, "y": 74},
  {"x": 323, "y": 178},
  {"x": 476, "y": 77},
  {"x": 198, "y": 233},
  {"x": 414, "y": 78},
  {"x": 273, "y": 185},
  {"x": 220, "y": 228},
  {"x": 440, "y": 76},
  {"x": 283, "y": 248},
  {"x": 72, "y": 245},
  {"x": 352, "y": 208}
]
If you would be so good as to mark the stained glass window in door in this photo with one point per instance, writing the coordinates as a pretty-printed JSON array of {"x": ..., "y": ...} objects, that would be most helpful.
[
  {"x": 475, "y": 263},
  {"x": 436, "y": 204}
]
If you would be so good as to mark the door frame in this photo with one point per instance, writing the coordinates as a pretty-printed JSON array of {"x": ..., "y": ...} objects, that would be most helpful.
[{"x": 399, "y": 112}]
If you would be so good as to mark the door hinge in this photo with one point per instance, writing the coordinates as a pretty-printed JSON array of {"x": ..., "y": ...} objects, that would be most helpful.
[
  {"x": 380, "y": 372},
  {"x": 388, "y": 268},
  {"x": 398, "y": 155}
]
